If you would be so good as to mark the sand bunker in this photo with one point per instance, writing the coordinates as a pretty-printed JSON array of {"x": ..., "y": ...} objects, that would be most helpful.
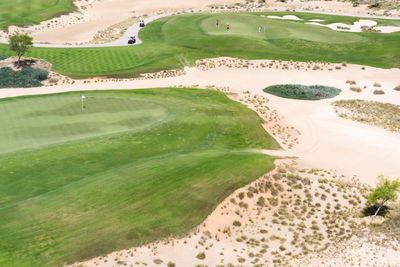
[
  {"x": 289, "y": 17},
  {"x": 358, "y": 26}
]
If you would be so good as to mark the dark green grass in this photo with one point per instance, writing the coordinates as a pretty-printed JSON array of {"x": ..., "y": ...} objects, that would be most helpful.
[
  {"x": 157, "y": 163},
  {"x": 176, "y": 41},
  {"x": 302, "y": 92},
  {"x": 22, "y": 12}
]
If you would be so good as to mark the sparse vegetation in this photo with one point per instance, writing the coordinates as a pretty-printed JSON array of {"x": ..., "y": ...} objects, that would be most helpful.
[
  {"x": 379, "y": 114},
  {"x": 27, "y": 77}
]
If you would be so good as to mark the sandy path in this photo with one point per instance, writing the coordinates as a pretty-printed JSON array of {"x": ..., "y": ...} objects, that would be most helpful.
[{"x": 326, "y": 140}]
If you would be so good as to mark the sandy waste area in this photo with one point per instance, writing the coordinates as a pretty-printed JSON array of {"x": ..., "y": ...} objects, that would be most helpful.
[{"x": 306, "y": 211}]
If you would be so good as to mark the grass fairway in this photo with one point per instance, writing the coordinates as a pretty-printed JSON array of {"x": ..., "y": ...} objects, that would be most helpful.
[
  {"x": 175, "y": 41},
  {"x": 133, "y": 167},
  {"x": 22, "y": 12}
]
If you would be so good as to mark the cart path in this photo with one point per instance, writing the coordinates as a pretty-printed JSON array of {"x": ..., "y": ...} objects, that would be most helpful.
[{"x": 122, "y": 41}]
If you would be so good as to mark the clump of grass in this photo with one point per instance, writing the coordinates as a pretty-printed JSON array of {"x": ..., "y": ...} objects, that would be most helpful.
[
  {"x": 351, "y": 82},
  {"x": 377, "y": 84},
  {"x": 379, "y": 92},
  {"x": 157, "y": 261},
  {"x": 303, "y": 92},
  {"x": 397, "y": 88},
  {"x": 201, "y": 256},
  {"x": 355, "y": 89},
  {"x": 236, "y": 223}
]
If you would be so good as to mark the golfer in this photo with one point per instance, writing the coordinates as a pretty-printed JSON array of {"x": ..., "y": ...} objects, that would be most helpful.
[
  {"x": 259, "y": 29},
  {"x": 217, "y": 24},
  {"x": 227, "y": 27}
]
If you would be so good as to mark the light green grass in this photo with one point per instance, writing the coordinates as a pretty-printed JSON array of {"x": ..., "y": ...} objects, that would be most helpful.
[
  {"x": 134, "y": 167},
  {"x": 22, "y": 12},
  {"x": 176, "y": 41}
]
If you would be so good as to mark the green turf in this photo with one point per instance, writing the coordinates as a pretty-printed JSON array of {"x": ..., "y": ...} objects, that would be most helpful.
[
  {"x": 302, "y": 92},
  {"x": 22, "y": 12},
  {"x": 133, "y": 167},
  {"x": 176, "y": 41}
]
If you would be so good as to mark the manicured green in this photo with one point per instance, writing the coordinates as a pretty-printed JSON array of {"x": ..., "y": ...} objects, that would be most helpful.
[
  {"x": 302, "y": 92},
  {"x": 176, "y": 41},
  {"x": 132, "y": 167},
  {"x": 22, "y": 12}
]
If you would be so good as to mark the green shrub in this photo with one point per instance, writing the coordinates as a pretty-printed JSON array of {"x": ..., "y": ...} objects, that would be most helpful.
[
  {"x": 303, "y": 92},
  {"x": 27, "y": 77},
  {"x": 2, "y": 57},
  {"x": 355, "y": 4}
]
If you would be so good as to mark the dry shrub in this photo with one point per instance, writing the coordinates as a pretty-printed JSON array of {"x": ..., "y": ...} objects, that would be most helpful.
[
  {"x": 377, "y": 84},
  {"x": 379, "y": 92},
  {"x": 397, "y": 88},
  {"x": 355, "y": 89},
  {"x": 351, "y": 82}
]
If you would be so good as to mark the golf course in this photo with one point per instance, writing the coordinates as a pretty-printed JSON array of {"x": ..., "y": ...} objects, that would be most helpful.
[
  {"x": 177, "y": 41},
  {"x": 22, "y": 12},
  {"x": 130, "y": 167}
]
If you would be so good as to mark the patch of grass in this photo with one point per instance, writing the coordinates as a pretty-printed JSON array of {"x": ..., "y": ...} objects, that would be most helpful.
[
  {"x": 132, "y": 167},
  {"x": 302, "y": 92},
  {"x": 24, "y": 12},
  {"x": 175, "y": 41}
]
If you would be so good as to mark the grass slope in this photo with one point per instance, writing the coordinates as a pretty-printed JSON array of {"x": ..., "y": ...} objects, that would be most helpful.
[
  {"x": 133, "y": 167},
  {"x": 22, "y": 12},
  {"x": 175, "y": 41}
]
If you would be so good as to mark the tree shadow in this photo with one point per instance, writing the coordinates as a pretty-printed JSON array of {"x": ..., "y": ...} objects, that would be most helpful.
[{"x": 370, "y": 210}]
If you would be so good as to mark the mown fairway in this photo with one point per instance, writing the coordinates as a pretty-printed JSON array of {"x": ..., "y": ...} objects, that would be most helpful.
[
  {"x": 173, "y": 42},
  {"x": 20, "y": 12},
  {"x": 133, "y": 167}
]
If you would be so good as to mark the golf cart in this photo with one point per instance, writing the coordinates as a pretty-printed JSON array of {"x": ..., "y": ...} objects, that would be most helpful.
[
  {"x": 132, "y": 40},
  {"x": 141, "y": 23}
]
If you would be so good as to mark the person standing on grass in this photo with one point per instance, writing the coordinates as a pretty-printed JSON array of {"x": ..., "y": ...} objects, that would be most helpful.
[
  {"x": 259, "y": 29},
  {"x": 227, "y": 27},
  {"x": 217, "y": 24}
]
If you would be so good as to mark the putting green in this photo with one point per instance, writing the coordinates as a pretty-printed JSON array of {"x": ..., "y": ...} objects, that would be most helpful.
[
  {"x": 21, "y": 12},
  {"x": 247, "y": 25},
  {"x": 133, "y": 167},
  {"x": 56, "y": 119}
]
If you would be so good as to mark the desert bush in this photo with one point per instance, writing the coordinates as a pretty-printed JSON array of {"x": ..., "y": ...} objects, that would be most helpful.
[
  {"x": 397, "y": 88},
  {"x": 27, "y": 77},
  {"x": 351, "y": 82},
  {"x": 379, "y": 92},
  {"x": 377, "y": 84},
  {"x": 236, "y": 223},
  {"x": 355, "y": 4},
  {"x": 355, "y": 89},
  {"x": 157, "y": 261},
  {"x": 303, "y": 92},
  {"x": 201, "y": 256},
  {"x": 171, "y": 264}
]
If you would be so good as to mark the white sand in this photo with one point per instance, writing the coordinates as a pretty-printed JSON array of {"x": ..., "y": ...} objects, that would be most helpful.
[
  {"x": 288, "y": 17},
  {"x": 357, "y": 26}
]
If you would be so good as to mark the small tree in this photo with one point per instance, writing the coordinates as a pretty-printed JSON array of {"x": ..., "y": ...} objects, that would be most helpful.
[
  {"x": 385, "y": 191},
  {"x": 20, "y": 43}
]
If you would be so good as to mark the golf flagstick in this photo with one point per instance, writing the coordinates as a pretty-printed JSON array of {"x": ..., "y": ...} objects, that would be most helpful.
[{"x": 83, "y": 98}]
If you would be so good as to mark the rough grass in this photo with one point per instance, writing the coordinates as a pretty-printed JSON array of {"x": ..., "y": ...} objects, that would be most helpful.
[
  {"x": 133, "y": 167},
  {"x": 172, "y": 42},
  {"x": 302, "y": 92},
  {"x": 374, "y": 113},
  {"x": 22, "y": 12}
]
